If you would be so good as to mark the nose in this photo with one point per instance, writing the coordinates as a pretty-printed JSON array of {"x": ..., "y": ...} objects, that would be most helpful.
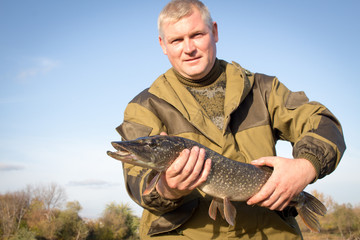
[{"x": 189, "y": 46}]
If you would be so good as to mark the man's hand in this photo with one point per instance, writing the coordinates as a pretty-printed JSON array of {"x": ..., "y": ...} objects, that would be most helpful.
[
  {"x": 289, "y": 178},
  {"x": 186, "y": 173}
]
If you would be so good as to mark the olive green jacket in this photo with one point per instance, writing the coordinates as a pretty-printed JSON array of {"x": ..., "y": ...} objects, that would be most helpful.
[{"x": 259, "y": 111}]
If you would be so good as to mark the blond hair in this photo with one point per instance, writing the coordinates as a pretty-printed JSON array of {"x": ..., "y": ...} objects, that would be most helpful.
[{"x": 177, "y": 9}]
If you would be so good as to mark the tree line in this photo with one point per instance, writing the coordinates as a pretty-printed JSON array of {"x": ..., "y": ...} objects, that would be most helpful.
[
  {"x": 42, "y": 213},
  {"x": 38, "y": 213},
  {"x": 342, "y": 221}
]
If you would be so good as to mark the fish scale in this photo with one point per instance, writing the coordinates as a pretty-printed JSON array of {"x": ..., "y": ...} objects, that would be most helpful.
[
  {"x": 223, "y": 179},
  {"x": 227, "y": 181}
]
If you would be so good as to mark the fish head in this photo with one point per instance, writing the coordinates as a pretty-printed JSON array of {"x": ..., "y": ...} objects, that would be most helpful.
[{"x": 156, "y": 152}]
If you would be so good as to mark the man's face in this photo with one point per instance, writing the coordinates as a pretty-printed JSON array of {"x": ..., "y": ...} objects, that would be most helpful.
[{"x": 190, "y": 45}]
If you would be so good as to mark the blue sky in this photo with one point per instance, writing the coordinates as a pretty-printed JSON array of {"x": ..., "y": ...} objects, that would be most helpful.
[{"x": 68, "y": 69}]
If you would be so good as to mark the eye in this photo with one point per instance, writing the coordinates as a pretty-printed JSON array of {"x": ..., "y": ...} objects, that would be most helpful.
[
  {"x": 176, "y": 41},
  {"x": 152, "y": 143},
  {"x": 197, "y": 35}
]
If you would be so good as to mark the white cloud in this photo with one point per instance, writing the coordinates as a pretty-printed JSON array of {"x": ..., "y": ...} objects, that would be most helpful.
[
  {"x": 91, "y": 183},
  {"x": 10, "y": 167},
  {"x": 40, "y": 66}
]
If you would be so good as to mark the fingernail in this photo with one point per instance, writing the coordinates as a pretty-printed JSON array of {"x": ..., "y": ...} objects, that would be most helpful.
[
  {"x": 184, "y": 152},
  {"x": 195, "y": 149}
]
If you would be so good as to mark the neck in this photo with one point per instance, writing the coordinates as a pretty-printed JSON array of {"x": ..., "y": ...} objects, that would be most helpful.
[{"x": 211, "y": 77}]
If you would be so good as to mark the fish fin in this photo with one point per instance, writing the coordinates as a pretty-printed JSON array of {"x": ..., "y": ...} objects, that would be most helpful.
[
  {"x": 308, "y": 210},
  {"x": 230, "y": 212},
  {"x": 309, "y": 218},
  {"x": 216, "y": 204},
  {"x": 152, "y": 184},
  {"x": 314, "y": 204}
]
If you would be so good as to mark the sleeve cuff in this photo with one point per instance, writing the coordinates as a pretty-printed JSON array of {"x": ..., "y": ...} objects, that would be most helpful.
[
  {"x": 154, "y": 200},
  {"x": 314, "y": 161}
]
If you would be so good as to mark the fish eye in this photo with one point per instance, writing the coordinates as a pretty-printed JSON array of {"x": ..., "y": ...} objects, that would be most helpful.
[{"x": 152, "y": 143}]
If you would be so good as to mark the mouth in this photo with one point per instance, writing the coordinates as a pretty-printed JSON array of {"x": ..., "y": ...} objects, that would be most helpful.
[
  {"x": 192, "y": 59},
  {"x": 123, "y": 155},
  {"x": 126, "y": 156}
]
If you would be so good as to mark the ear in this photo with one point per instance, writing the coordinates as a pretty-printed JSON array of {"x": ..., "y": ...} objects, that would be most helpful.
[
  {"x": 163, "y": 45},
  {"x": 215, "y": 32}
]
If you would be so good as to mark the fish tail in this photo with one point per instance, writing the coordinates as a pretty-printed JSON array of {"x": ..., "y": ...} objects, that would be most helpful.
[{"x": 308, "y": 208}]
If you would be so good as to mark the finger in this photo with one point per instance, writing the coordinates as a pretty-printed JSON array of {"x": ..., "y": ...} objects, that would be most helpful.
[
  {"x": 264, "y": 161},
  {"x": 203, "y": 176},
  {"x": 282, "y": 205},
  {"x": 196, "y": 169},
  {"x": 279, "y": 199},
  {"x": 272, "y": 202},
  {"x": 283, "y": 201},
  {"x": 188, "y": 173},
  {"x": 258, "y": 162},
  {"x": 206, "y": 171},
  {"x": 177, "y": 166},
  {"x": 199, "y": 166},
  {"x": 276, "y": 203},
  {"x": 163, "y": 133},
  {"x": 265, "y": 192}
]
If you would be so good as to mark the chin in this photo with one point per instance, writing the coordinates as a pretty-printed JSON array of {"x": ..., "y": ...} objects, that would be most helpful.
[{"x": 199, "y": 73}]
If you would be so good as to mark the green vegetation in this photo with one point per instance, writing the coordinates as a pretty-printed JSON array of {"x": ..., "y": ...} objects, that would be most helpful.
[
  {"x": 41, "y": 213},
  {"x": 38, "y": 213}
]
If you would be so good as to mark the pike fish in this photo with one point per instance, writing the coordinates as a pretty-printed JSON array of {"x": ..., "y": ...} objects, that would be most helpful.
[{"x": 227, "y": 181}]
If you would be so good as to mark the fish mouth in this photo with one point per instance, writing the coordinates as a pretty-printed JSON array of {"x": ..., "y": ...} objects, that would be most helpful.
[
  {"x": 124, "y": 156},
  {"x": 127, "y": 156},
  {"x": 122, "y": 153}
]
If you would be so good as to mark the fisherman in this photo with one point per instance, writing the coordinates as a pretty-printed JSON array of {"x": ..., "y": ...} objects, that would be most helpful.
[{"x": 238, "y": 114}]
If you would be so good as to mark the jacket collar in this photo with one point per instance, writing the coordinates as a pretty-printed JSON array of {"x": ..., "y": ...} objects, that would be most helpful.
[{"x": 238, "y": 85}]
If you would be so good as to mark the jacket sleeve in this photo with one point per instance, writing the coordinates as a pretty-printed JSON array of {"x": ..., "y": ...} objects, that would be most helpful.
[
  {"x": 141, "y": 121},
  {"x": 313, "y": 130}
]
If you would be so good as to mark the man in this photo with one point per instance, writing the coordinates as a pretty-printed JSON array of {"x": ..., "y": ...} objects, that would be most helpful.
[{"x": 235, "y": 113}]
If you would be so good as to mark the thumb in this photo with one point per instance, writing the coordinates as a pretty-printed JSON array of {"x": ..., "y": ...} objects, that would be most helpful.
[{"x": 267, "y": 161}]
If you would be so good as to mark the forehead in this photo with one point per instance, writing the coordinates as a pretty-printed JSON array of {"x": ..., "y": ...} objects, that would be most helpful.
[{"x": 185, "y": 25}]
